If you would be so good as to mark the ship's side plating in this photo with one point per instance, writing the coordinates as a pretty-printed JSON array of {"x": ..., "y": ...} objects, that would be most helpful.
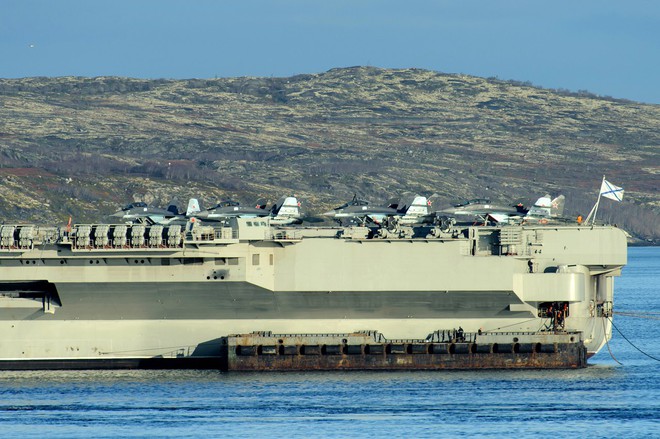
[{"x": 107, "y": 295}]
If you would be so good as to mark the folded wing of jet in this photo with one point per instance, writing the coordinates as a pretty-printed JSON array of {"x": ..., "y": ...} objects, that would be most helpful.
[
  {"x": 417, "y": 210},
  {"x": 286, "y": 211},
  {"x": 546, "y": 207}
]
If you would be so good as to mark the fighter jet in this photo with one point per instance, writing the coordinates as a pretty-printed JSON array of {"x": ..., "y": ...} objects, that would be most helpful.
[
  {"x": 359, "y": 211},
  {"x": 413, "y": 210},
  {"x": 285, "y": 211},
  {"x": 228, "y": 209},
  {"x": 483, "y": 208},
  {"x": 141, "y": 212}
]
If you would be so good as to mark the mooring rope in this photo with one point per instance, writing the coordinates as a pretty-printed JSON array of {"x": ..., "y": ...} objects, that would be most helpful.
[
  {"x": 631, "y": 343},
  {"x": 607, "y": 342}
]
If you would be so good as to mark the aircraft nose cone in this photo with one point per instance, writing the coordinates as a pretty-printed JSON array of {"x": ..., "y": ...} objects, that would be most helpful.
[
  {"x": 118, "y": 214},
  {"x": 330, "y": 213}
]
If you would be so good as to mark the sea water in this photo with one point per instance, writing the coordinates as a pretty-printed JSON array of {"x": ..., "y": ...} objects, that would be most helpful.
[{"x": 606, "y": 399}]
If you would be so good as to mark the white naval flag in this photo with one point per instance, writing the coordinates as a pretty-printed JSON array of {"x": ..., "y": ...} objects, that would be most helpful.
[{"x": 608, "y": 190}]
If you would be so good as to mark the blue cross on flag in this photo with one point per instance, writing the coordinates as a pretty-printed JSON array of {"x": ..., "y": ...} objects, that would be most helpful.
[{"x": 608, "y": 190}]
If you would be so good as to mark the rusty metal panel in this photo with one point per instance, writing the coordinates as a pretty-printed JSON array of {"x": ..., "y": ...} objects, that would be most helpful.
[{"x": 368, "y": 351}]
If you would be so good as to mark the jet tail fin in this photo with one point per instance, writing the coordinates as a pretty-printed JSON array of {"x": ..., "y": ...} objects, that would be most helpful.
[
  {"x": 547, "y": 207},
  {"x": 193, "y": 207},
  {"x": 557, "y": 208},
  {"x": 419, "y": 206},
  {"x": 433, "y": 199},
  {"x": 286, "y": 211},
  {"x": 261, "y": 203},
  {"x": 173, "y": 207}
]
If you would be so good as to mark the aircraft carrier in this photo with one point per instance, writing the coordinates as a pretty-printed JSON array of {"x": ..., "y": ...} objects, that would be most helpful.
[{"x": 249, "y": 295}]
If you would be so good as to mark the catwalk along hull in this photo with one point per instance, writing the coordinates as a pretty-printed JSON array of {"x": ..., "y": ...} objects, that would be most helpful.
[{"x": 68, "y": 298}]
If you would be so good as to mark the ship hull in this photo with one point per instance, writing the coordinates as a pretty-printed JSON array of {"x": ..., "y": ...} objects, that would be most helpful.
[{"x": 68, "y": 307}]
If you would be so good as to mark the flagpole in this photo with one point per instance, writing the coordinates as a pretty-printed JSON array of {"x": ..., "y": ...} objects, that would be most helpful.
[{"x": 594, "y": 209}]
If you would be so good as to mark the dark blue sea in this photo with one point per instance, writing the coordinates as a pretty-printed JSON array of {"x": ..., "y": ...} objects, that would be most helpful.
[{"x": 604, "y": 400}]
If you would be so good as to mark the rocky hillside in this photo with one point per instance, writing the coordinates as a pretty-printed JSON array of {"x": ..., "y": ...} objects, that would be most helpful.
[{"x": 85, "y": 146}]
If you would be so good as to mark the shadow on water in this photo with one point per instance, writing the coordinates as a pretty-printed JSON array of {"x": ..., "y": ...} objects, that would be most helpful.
[{"x": 187, "y": 377}]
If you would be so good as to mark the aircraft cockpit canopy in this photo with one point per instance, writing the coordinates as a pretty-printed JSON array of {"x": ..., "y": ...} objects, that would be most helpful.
[
  {"x": 227, "y": 203},
  {"x": 353, "y": 202},
  {"x": 134, "y": 205},
  {"x": 473, "y": 201}
]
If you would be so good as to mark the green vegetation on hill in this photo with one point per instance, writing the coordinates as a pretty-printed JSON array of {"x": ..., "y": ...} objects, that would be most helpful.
[{"x": 85, "y": 146}]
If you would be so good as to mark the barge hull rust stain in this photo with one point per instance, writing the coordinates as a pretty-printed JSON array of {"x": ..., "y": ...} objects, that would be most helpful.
[
  {"x": 409, "y": 362},
  {"x": 254, "y": 352}
]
